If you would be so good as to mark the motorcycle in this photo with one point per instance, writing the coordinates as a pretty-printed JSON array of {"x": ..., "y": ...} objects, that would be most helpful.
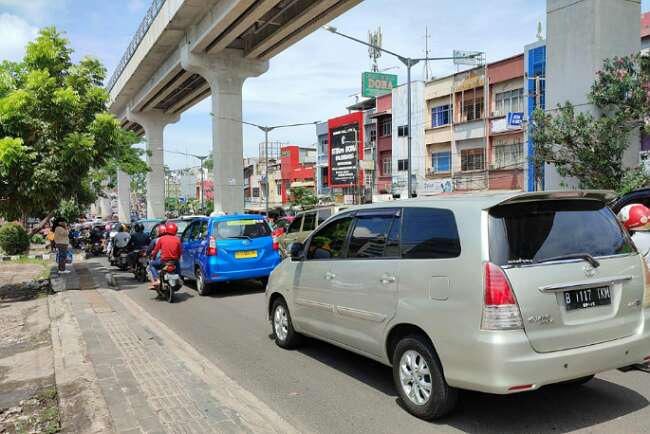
[
  {"x": 140, "y": 265},
  {"x": 122, "y": 259},
  {"x": 170, "y": 282}
]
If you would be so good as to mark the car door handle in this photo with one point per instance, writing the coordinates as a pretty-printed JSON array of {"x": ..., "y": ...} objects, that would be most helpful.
[
  {"x": 329, "y": 276},
  {"x": 387, "y": 278}
]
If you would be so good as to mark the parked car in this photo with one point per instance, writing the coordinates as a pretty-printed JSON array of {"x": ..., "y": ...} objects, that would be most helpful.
[
  {"x": 148, "y": 224},
  {"x": 304, "y": 223},
  {"x": 227, "y": 248},
  {"x": 498, "y": 293}
]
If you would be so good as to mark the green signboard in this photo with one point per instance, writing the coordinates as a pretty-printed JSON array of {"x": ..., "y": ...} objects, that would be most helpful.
[{"x": 377, "y": 84}]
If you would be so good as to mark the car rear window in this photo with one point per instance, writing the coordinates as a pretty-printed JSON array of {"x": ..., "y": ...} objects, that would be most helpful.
[
  {"x": 234, "y": 229},
  {"x": 530, "y": 232}
]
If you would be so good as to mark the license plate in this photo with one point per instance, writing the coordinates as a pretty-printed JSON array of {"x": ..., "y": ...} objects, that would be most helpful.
[
  {"x": 589, "y": 297},
  {"x": 246, "y": 254}
]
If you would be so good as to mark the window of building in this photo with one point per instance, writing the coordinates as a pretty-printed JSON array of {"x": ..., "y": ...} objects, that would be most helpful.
[
  {"x": 440, "y": 115},
  {"x": 429, "y": 233},
  {"x": 278, "y": 186},
  {"x": 367, "y": 178},
  {"x": 329, "y": 241},
  {"x": 403, "y": 131},
  {"x": 256, "y": 192},
  {"x": 386, "y": 164},
  {"x": 373, "y": 134},
  {"x": 386, "y": 127},
  {"x": 370, "y": 234},
  {"x": 509, "y": 101},
  {"x": 310, "y": 222},
  {"x": 508, "y": 156},
  {"x": 402, "y": 165},
  {"x": 473, "y": 109},
  {"x": 472, "y": 159},
  {"x": 441, "y": 161}
]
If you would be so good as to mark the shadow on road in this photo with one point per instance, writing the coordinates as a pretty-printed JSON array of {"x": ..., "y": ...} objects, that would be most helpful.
[{"x": 552, "y": 409}]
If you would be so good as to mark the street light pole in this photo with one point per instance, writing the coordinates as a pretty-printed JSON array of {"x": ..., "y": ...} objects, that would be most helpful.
[
  {"x": 266, "y": 129},
  {"x": 409, "y": 63}
]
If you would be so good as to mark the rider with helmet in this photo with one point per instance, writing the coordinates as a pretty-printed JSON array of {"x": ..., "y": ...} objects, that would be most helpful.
[
  {"x": 636, "y": 219},
  {"x": 169, "y": 246},
  {"x": 139, "y": 240}
]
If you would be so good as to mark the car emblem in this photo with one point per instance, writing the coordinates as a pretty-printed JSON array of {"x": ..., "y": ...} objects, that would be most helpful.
[
  {"x": 589, "y": 270},
  {"x": 246, "y": 242}
]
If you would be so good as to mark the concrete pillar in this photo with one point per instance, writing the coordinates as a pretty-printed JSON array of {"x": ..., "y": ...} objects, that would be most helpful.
[
  {"x": 154, "y": 123},
  {"x": 226, "y": 73},
  {"x": 123, "y": 197},
  {"x": 580, "y": 35}
]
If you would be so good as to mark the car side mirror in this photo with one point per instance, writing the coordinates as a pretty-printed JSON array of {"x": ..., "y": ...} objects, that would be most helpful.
[{"x": 295, "y": 251}]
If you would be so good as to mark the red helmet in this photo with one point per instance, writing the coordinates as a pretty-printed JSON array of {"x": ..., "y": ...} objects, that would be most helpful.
[
  {"x": 161, "y": 230},
  {"x": 171, "y": 229},
  {"x": 635, "y": 217}
]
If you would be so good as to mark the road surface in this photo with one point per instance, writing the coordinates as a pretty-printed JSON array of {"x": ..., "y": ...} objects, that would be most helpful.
[{"x": 323, "y": 389}]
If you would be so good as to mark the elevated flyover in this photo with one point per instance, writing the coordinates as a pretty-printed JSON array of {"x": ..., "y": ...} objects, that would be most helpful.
[{"x": 186, "y": 50}]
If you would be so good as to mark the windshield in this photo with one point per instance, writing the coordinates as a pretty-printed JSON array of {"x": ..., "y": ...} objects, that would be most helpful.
[
  {"x": 531, "y": 232},
  {"x": 148, "y": 226},
  {"x": 234, "y": 229}
]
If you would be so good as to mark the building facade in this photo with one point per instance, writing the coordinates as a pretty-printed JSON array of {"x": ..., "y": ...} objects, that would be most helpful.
[{"x": 383, "y": 145}]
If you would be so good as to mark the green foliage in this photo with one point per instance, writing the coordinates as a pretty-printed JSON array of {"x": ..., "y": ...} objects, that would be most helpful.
[
  {"x": 70, "y": 210},
  {"x": 14, "y": 239},
  {"x": 57, "y": 139},
  {"x": 633, "y": 179},
  {"x": 38, "y": 239},
  {"x": 303, "y": 197},
  {"x": 590, "y": 148}
]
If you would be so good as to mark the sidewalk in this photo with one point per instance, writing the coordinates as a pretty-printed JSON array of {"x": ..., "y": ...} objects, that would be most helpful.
[{"x": 137, "y": 374}]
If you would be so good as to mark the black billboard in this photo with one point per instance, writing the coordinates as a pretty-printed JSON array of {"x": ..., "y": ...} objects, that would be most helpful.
[{"x": 344, "y": 147}]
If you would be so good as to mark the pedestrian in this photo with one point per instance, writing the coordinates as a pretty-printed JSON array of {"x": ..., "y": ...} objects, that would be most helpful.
[
  {"x": 50, "y": 238},
  {"x": 61, "y": 239}
]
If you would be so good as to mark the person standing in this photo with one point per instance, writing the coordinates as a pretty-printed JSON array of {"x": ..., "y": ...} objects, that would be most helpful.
[
  {"x": 61, "y": 239},
  {"x": 49, "y": 235}
]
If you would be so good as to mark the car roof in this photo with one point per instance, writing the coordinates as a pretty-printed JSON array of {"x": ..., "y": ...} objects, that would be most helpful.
[
  {"x": 489, "y": 199},
  {"x": 238, "y": 217}
]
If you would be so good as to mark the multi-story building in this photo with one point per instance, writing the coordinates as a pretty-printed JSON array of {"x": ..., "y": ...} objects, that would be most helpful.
[
  {"x": 322, "y": 162},
  {"x": 535, "y": 97},
  {"x": 297, "y": 166},
  {"x": 384, "y": 145},
  {"x": 399, "y": 125},
  {"x": 438, "y": 135},
  {"x": 252, "y": 184}
]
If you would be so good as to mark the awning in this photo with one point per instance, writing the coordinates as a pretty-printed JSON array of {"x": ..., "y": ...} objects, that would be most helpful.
[{"x": 302, "y": 184}]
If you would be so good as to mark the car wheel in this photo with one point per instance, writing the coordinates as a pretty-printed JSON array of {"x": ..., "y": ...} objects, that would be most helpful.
[
  {"x": 419, "y": 379},
  {"x": 578, "y": 381},
  {"x": 285, "y": 335},
  {"x": 201, "y": 285}
]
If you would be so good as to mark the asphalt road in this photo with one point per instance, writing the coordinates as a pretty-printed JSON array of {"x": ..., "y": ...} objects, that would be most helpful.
[{"x": 321, "y": 388}]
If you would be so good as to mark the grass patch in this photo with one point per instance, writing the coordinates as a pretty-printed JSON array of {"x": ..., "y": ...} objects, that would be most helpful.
[
  {"x": 39, "y": 414},
  {"x": 46, "y": 265}
]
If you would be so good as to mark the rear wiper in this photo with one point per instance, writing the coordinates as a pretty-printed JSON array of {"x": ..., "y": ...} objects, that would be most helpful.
[
  {"x": 586, "y": 256},
  {"x": 241, "y": 237}
]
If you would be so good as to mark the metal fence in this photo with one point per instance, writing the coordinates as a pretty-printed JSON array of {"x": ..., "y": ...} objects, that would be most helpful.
[{"x": 150, "y": 16}]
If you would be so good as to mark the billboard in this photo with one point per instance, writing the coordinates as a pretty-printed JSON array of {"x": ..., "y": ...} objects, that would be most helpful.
[
  {"x": 463, "y": 57},
  {"x": 377, "y": 84},
  {"x": 345, "y": 150}
]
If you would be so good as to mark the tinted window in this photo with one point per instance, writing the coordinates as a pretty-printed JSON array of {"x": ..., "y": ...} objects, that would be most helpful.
[
  {"x": 429, "y": 233},
  {"x": 182, "y": 225},
  {"x": 240, "y": 229},
  {"x": 392, "y": 244},
  {"x": 148, "y": 226},
  {"x": 370, "y": 234},
  {"x": 324, "y": 214},
  {"x": 202, "y": 230},
  {"x": 310, "y": 222},
  {"x": 535, "y": 231},
  {"x": 295, "y": 225},
  {"x": 189, "y": 232},
  {"x": 329, "y": 241}
]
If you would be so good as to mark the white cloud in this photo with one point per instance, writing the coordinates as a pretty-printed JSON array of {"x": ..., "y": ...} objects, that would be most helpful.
[
  {"x": 15, "y": 33},
  {"x": 32, "y": 10},
  {"x": 136, "y": 5}
]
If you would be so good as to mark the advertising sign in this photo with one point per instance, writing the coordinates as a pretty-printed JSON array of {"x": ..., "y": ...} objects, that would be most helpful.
[
  {"x": 345, "y": 150},
  {"x": 470, "y": 57},
  {"x": 377, "y": 84}
]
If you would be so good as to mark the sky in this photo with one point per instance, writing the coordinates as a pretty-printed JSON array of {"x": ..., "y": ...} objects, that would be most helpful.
[{"x": 314, "y": 80}]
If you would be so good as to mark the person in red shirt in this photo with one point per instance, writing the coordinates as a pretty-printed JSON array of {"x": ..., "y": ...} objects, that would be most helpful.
[{"x": 169, "y": 246}]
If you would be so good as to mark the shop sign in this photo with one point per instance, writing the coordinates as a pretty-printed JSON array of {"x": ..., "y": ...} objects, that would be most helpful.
[{"x": 376, "y": 84}]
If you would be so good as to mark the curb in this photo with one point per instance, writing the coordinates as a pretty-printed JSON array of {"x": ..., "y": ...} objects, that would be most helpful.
[{"x": 45, "y": 257}]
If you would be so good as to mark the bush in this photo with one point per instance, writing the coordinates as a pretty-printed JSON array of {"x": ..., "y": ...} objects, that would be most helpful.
[
  {"x": 38, "y": 239},
  {"x": 13, "y": 239}
]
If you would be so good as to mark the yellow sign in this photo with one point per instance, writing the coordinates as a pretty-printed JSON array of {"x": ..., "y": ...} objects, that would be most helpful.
[{"x": 246, "y": 254}]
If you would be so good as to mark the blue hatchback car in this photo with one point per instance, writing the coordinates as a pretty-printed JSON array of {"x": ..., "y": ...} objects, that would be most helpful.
[{"x": 225, "y": 248}]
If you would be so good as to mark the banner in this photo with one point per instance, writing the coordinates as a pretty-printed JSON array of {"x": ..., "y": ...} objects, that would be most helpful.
[{"x": 345, "y": 150}]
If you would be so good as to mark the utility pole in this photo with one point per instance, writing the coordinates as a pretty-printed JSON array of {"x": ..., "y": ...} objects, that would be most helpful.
[
  {"x": 201, "y": 158},
  {"x": 427, "y": 69}
]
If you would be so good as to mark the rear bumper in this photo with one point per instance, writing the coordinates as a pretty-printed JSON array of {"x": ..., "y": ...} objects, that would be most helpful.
[
  {"x": 252, "y": 273},
  {"x": 505, "y": 359}
]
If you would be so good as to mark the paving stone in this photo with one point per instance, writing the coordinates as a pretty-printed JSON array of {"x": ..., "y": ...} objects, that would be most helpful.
[{"x": 150, "y": 424}]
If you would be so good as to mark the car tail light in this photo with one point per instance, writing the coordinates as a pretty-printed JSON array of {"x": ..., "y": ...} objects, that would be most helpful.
[
  {"x": 276, "y": 244},
  {"x": 212, "y": 247},
  {"x": 170, "y": 268},
  {"x": 646, "y": 283},
  {"x": 500, "y": 309}
]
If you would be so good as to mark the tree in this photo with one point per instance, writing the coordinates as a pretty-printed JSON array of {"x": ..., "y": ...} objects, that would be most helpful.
[
  {"x": 590, "y": 147},
  {"x": 57, "y": 139},
  {"x": 303, "y": 197}
]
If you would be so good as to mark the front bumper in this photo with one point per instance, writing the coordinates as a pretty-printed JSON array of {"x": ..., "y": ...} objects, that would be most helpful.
[{"x": 506, "y": 359}]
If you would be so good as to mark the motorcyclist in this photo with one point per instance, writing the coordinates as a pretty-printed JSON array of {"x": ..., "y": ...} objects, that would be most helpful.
[
  {"x": 636, "y": 219},
  {"x": 121, "y": 240},
  {"x": 170, "y": 248},
  {"x": 138, "y": 241}
]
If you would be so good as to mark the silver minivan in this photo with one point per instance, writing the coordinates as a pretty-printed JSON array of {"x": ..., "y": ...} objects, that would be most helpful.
[{"x": 499, "y": 293}]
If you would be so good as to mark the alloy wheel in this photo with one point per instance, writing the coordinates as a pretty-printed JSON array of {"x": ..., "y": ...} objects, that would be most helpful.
[
  {"x": 281, "y": 323},
  {"x": 415, "y": 377}
]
